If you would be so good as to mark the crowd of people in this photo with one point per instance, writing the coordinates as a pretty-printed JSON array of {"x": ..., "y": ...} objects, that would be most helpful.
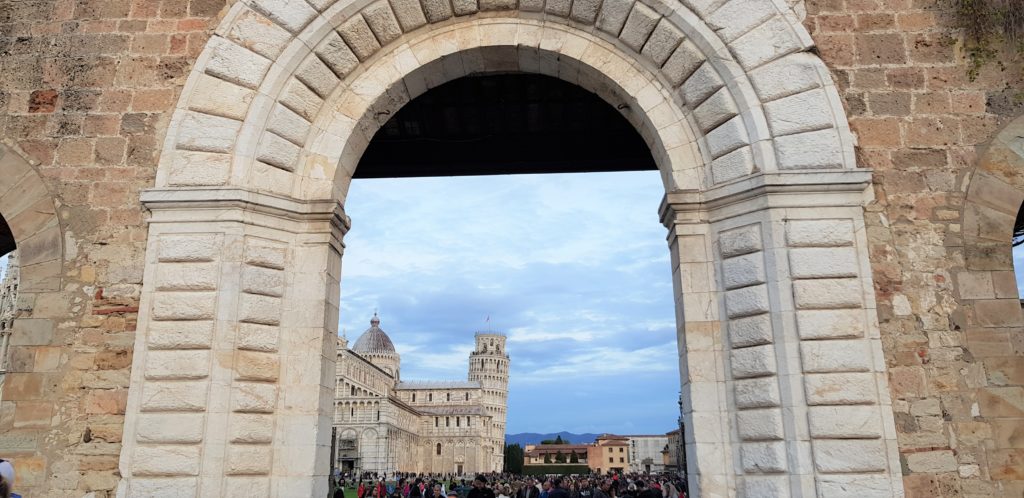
[{"x": 514, "y": 486}]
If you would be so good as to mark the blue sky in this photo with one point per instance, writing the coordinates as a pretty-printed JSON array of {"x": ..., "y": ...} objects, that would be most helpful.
[{"x": 573, "y": 268}]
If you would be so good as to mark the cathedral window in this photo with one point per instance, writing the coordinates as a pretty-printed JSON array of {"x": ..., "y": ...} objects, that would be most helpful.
[
  {"x": 449, "y": 396},
  {"x": 458, "y": 421},
  {"x": 430, "y": 397},
  {"x": 447, "y": 421},
  {"x": 467, "y": 396},
  {"x": 437, "y": 421},
  {"x": 413, "y": 397},
  {"x": 378, "y": 415},
  {"x": 438, "y": 448},
  {"x": 467, "y": 422}
]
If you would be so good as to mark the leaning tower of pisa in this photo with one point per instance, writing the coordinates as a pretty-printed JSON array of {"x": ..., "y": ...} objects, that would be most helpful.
[{"x": 488, "y": 364}]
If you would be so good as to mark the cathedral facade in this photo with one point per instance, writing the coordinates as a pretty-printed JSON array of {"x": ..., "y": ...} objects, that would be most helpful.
[{"x": 384, "y": 424}]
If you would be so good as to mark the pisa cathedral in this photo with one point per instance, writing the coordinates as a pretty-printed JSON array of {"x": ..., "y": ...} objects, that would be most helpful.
[{"x": 384, "y": 424}]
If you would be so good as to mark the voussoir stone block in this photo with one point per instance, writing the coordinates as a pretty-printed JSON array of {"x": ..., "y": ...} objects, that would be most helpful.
[
  {"x": 811, "y": 150},
  {"x": 315, "y": 74},
  {"x": 206, "y": 133},
  {"x": 357, "y": 34},
  {"x": 613, "y": 15},
  {"x": 789, "y": 75},
  {"x": 840, "y": 389},
  {"x": 491, "y": 5},
  {"x": 293, "y": 15},
  {"x": 769, "y": 41},
  {"x": 301, "y": 99},
  {"x": 828, "y": 293},
  {"x": 737, "y": 17},
  {"x": 220, "y": 98},
  {"x": 679, "y": 66},
  {"x": 585, "y": 11},
  {"x": 467, "y": 7},
  {"x": 336, "y": 54},
  {"x": 559, "y": 8},
  {"x": 715, "y": 110},
  {"x": 289, "y": 125},
  {"x": 763, "y": 457},
  {"x": 807, "y": 111},
  {"x": 278, "y": 152},
  {"x": 437, "y": 10},
  {"x": 849, "y": 455},
  {"x": 662, "y": 42},
  {"x": 382, "y": 21},
  {"x": 192, "y": 168},
  {"x": 844, "y": 422},
  {"x": 259, "y": 34},
  {"x": 409, "y": 13},
  {"x": 701, "y": 84},
  {"x": 728, "y": 137},
  {"x": 735, "y": 164},
  {"x": 237, "y": 64},
  {"x": 639, "y": 25}
]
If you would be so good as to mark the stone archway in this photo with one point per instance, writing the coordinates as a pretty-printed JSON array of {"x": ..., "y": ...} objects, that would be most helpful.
[
  {"x": 782, "y": 370},
  {"x": 29, "y": 364}
]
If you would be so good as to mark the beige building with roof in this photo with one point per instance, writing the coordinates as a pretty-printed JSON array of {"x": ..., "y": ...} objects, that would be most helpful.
[{"x": 385, "y": 425}]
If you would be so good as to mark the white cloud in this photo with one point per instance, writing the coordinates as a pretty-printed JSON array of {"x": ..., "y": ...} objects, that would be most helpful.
[{"x": 574, "y": 268}]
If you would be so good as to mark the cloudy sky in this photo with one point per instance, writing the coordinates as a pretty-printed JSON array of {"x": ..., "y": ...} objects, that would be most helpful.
[{"x": 573, "y": 268}]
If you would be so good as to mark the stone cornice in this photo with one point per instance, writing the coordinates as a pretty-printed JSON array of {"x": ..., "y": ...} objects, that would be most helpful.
[
  {"x": 767, "y": 190},
  {"x": 204, "y": 204}
]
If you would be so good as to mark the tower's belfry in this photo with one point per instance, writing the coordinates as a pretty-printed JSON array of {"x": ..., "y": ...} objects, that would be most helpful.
[{"x": 488, "y": 364}]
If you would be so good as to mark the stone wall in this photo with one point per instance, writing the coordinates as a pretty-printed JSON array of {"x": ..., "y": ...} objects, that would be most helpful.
[
  {"x": 947, "y": 301},
  {"x": 86, "y": 95}
]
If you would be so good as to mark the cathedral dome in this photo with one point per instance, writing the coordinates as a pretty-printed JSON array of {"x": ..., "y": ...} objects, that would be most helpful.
[{"x": 374, "y": 341}]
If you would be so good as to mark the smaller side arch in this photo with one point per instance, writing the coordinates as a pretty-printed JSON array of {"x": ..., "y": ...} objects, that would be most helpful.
[{"x": 31, "y": 215}]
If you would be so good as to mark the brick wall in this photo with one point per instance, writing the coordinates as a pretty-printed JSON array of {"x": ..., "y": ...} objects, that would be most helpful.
[
  {"x": 85, "y": 94},
  {"x": 922, "y": 124}
]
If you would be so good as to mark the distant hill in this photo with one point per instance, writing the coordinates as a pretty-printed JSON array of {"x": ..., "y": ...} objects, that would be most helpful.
[{"x": 525, "y": 438}]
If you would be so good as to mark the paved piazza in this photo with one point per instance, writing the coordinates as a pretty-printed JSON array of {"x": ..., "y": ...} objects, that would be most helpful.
[{"x": 838, "y": 198}]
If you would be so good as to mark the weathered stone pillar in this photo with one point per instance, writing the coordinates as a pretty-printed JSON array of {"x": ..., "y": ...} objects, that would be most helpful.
[
  {"x": 784, "y": 381},
  {"x": 232, "y": 381}
]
